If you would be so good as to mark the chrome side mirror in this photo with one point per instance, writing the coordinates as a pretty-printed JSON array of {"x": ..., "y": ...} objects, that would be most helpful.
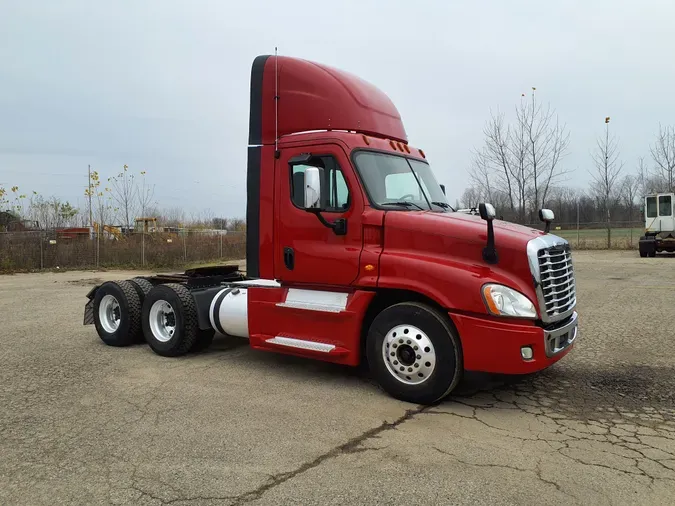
[
  {"x": 487, "y": 211},
  {"x": 312, "y": 188},
  {"x": 547, "y": 216}
]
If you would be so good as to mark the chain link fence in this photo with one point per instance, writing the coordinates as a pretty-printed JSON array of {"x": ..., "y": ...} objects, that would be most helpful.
[
  {"x": 594, "y": 235},
  {"x": 52, "y": 249}
]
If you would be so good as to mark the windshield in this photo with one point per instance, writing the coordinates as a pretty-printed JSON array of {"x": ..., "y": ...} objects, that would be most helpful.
[{"x": 399, "y": 182}]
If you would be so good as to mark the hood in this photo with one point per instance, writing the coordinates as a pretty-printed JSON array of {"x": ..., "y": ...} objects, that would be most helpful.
[
  {"x": 446, "y": 249},
  {"x": 463, "y": 227}
]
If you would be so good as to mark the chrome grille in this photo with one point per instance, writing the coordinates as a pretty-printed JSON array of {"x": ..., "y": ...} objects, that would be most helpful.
[{"x": 558, "y": 289}]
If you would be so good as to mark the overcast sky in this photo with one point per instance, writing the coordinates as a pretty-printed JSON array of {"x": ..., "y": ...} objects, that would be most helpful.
[{"x": 162, "y": 85}]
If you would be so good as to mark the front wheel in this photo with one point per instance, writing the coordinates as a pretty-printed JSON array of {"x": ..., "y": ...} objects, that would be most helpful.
[{"x": 414, "y": 353}]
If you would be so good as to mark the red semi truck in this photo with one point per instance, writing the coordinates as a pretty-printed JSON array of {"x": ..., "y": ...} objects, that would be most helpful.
[{"x": 354, "y": 254}]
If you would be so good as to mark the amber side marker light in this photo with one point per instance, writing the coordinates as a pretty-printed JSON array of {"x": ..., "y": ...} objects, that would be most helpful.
[
  {"x": 488, "y": 300},
  {"x": 421, "y": 153}
]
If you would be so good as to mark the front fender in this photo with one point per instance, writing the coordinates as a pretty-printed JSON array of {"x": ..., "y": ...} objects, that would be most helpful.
[{"x": 454, "y": 284}]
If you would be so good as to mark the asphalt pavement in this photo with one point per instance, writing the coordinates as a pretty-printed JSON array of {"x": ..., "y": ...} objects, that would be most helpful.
[{"x": 83, "y": 423}]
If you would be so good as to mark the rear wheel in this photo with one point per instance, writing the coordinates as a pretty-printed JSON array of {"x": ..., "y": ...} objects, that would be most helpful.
[
  {"x": 414, "y": 353},
  {"x": 117, "y": 313},
  {"x": 143, "y": 287},
  {"x": 170, "y": 320}
]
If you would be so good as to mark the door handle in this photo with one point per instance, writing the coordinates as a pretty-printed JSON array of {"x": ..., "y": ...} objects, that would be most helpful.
[{"x": 289, "y": 258}]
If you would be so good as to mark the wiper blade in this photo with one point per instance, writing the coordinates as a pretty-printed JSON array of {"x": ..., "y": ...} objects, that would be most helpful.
[
  {"x": 444, "y": 205},
  {"x": 404, "y": 204}
]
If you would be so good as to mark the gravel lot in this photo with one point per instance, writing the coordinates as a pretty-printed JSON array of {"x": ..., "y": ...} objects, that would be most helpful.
[{"x": 82, "y": 423}]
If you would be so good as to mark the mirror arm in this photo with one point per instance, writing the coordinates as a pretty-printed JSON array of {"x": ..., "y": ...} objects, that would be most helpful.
[
  {"x": 323, "y": 220},
  {"x": 339, "y": 226},
  {"x": 490, "y": 252},
  {"x": 547, "y": 228}
]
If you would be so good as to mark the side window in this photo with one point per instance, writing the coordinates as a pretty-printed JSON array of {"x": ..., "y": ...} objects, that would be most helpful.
[
  {"x": 651, "y": 207},
  {"x": 334, "y": 189},
  {"x": 665, "y": 205},
  {"x": 338, "y": 192}
]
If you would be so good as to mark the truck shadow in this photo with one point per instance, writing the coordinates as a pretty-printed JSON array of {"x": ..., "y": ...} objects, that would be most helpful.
[
  {"x": 581, "y": 393},
  {"x": 639, "y": 392}
]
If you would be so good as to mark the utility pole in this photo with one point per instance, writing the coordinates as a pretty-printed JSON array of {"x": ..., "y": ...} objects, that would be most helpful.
[
  {"x": 91, "y": 215},
  {"x": 609, "y": 219}
]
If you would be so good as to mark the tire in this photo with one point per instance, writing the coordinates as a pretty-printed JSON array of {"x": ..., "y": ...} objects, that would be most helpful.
[
  {"x": 643, "y": 254},
  {"x": 117, "y": 313},
  {"x": 171, "y": 328},
  {"x": 143, "y": 287},
  {"x": 652, "y": 254},
  {"x": 424, "y": 325},
  {"x": 204, "y": 340}
]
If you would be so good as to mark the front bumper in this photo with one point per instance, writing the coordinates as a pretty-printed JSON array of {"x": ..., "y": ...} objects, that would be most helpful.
[{"x": 491, "y": 345}]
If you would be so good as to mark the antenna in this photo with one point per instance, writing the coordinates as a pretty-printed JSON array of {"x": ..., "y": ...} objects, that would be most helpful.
[{"x": 276, "y": 101}]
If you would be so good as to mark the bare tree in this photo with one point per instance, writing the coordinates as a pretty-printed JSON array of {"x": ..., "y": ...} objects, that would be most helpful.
[
  {"x": 145, "y": 193},
  {"x": 663, "y": 153},
  {"x": 238, "y": 224},
  {"x": 630, "y": 190},
  {"x": 605, "y": 178},
  {"x": 496, "y": 154},
  {"x": 220, "y": 223},
  {"x": 471, "y": 197},
  {"x": 642, "y": 176},
  {"x": 520, "y": 170},
  {"x": 124, "y": 192},
  {"x": 480, "y": 173},
  {"x": 521, "y": 161},
  {"x": 173, "y": 217},
  {"x": 547, "y": 143}
]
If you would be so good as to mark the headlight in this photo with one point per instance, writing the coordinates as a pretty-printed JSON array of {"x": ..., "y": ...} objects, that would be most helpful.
[{"x": 503, "y": 301}]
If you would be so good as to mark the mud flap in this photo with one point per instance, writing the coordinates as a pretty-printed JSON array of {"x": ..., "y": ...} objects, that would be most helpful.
[
  {"x": 89, "y": 313},
  {"x": 89, "y": 308}
]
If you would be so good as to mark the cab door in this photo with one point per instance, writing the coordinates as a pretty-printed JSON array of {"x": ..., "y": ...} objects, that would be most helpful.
[
  {"x": 659, "y": 213},
  {"x": 306, "y": 250},
  {"x": 666, "y": 218}
]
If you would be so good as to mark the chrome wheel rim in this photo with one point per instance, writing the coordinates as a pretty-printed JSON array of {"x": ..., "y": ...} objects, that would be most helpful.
[
  {"x": 409, "y": 354},
  {"x": 162, "y": 321},
  {"x": 109, "y": 314}
]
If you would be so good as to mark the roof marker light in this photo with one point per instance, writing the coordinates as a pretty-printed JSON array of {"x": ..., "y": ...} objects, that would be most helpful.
[
  {"x": 421, "y": 153},
  {"x": 366, "y": 140}
]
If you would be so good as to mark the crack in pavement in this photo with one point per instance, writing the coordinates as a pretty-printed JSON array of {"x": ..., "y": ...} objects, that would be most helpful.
[
  {"x": 561, "y": 438},
  {"x": 350, "y": 447},
  {"x": 537, "y": 471}
]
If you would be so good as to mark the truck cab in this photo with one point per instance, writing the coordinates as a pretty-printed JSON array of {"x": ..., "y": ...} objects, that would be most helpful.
[
  {"x": 659, "y": 214},
  {"x": 355, "y": 256}
]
